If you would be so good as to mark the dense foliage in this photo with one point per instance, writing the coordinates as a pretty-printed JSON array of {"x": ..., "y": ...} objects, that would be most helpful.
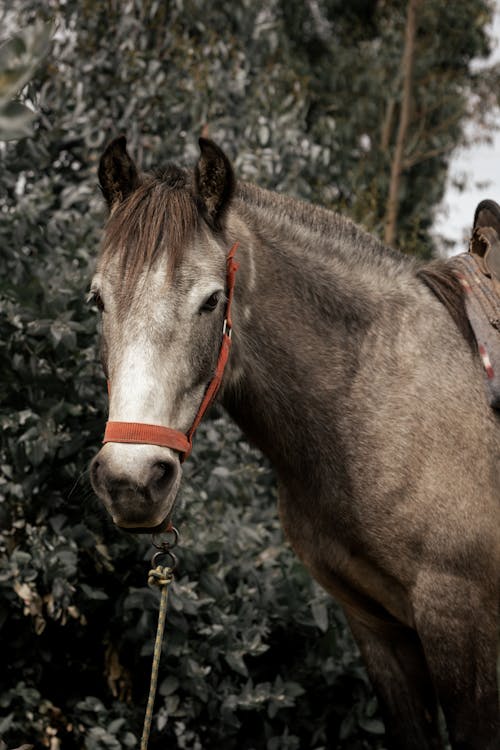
[
  {"x": 19, "y": 57},
  {"x": 256, "y": 655}
]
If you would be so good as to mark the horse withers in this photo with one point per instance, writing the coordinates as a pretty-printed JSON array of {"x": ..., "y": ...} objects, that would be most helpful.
[{"x": 354, "y": 370}]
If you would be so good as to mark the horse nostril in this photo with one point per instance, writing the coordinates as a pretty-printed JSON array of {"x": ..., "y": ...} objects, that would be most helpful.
[
  {"x": 162, "y": 474},
  {"x": 137, "y": 487}
]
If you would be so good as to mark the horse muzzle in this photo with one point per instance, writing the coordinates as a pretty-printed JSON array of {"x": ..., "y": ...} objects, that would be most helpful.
[{"x": 137, "y": 484}]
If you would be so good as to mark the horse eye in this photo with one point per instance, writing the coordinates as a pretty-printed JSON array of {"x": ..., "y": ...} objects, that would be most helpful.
[
  {"x": 94, "y": 298},
  {"x": 211, "y": 303}
]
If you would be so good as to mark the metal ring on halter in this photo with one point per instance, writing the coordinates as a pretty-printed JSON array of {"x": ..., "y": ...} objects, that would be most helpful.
[
  {"x": 227, "y": 329},
  {"x": 162, "y": 553},
  {"x": 165, "y": 545}
]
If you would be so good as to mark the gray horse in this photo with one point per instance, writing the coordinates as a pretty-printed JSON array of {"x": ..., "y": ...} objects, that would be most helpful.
[{"x": 360, "y": 385}]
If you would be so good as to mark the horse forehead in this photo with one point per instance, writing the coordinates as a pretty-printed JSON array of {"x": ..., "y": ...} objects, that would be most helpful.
[
  {"x": 199, "y": 271},
  {"x": 201, "y": 265},
  {"x": 163, "y": 298}
]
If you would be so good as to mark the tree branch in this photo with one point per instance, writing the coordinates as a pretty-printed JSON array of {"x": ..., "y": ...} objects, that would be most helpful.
[
  {"x": 391, "y": 216},
  {"x": 385, "y": 136},
  {"x": 425, "y": 155}
]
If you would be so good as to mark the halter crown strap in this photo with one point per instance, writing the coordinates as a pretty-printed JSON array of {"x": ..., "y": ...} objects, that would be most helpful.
[{"x": 153, "y": 434}]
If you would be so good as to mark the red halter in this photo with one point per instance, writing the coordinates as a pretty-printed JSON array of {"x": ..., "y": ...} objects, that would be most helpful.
[{"x": 154, "y": 434}]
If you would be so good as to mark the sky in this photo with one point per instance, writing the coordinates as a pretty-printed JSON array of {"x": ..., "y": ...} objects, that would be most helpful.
[{"x": 481, "y": 165}]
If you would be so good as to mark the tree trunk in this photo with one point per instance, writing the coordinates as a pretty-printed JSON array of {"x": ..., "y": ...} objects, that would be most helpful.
[
  {"x": 385, "y": 137},
  {"x": 391, "y": 216}
]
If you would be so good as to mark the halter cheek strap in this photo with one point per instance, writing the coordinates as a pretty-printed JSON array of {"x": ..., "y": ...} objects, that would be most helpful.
[{"x": 153, "y": 434}]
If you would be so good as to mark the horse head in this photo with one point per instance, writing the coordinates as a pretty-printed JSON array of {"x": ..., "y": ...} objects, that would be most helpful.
[{"x": 161, "y": 288}]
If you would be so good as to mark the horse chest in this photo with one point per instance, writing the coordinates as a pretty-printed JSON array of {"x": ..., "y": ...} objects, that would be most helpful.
[{"x": 326, "y": 543}]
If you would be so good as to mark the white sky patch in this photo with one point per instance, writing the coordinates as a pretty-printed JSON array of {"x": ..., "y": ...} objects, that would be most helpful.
[{"x": 480, "y": 165}]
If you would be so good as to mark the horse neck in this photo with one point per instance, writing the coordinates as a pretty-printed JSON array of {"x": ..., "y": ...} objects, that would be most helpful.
[{"x": 310, "y": 286}]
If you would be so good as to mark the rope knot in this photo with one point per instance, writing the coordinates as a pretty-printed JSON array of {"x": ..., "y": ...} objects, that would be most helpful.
[{"x": 160, "y": 576}]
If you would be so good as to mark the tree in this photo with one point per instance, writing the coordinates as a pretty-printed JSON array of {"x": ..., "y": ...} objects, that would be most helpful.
[
  {"x": 404, "y": 121},
  {"x": 356, "y": 102}
]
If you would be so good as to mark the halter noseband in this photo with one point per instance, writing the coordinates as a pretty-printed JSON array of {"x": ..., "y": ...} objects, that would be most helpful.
[{"x": 154, "y": 434}]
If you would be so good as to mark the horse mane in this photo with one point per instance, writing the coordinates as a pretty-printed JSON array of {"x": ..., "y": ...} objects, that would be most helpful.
[
  {"x": 160, "y": 215},
  {"x": 321, "y": 223},
  {"x": 439, "y": 276},
  {"x": 163, "y": 214},
  {"x": 353, "y": 241}
]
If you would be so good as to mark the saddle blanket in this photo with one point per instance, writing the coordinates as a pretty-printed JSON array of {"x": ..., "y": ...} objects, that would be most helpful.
[{"x": 483, "y": 310}]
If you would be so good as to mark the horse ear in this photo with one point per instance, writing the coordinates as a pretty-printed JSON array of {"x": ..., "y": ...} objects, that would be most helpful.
[
  {"x": 488, "y": 215},
  {"x": 118, "y": 174},
  {"x": 214, "y": 181},
  {"x": 485, "y": 240}
]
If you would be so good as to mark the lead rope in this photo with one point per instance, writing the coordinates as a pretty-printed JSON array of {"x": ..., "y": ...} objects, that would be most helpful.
[{"x": 162, "y": 576}]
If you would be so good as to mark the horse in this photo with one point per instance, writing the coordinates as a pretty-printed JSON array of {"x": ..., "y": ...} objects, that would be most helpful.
[{"x": 353, "y": 369}]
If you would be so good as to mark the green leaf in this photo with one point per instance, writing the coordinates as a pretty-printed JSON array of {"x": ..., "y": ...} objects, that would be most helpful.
[
  {"x": 236, "y": 662},
  {"x": 16, "y": 121},
  {"x": 20, "y": 56},
  {"x": 373, "y": 726},
  {"x": 320, "y": 614},
  {"x": 169, "y": 685},
  {"x": 95, "y": 594}
]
